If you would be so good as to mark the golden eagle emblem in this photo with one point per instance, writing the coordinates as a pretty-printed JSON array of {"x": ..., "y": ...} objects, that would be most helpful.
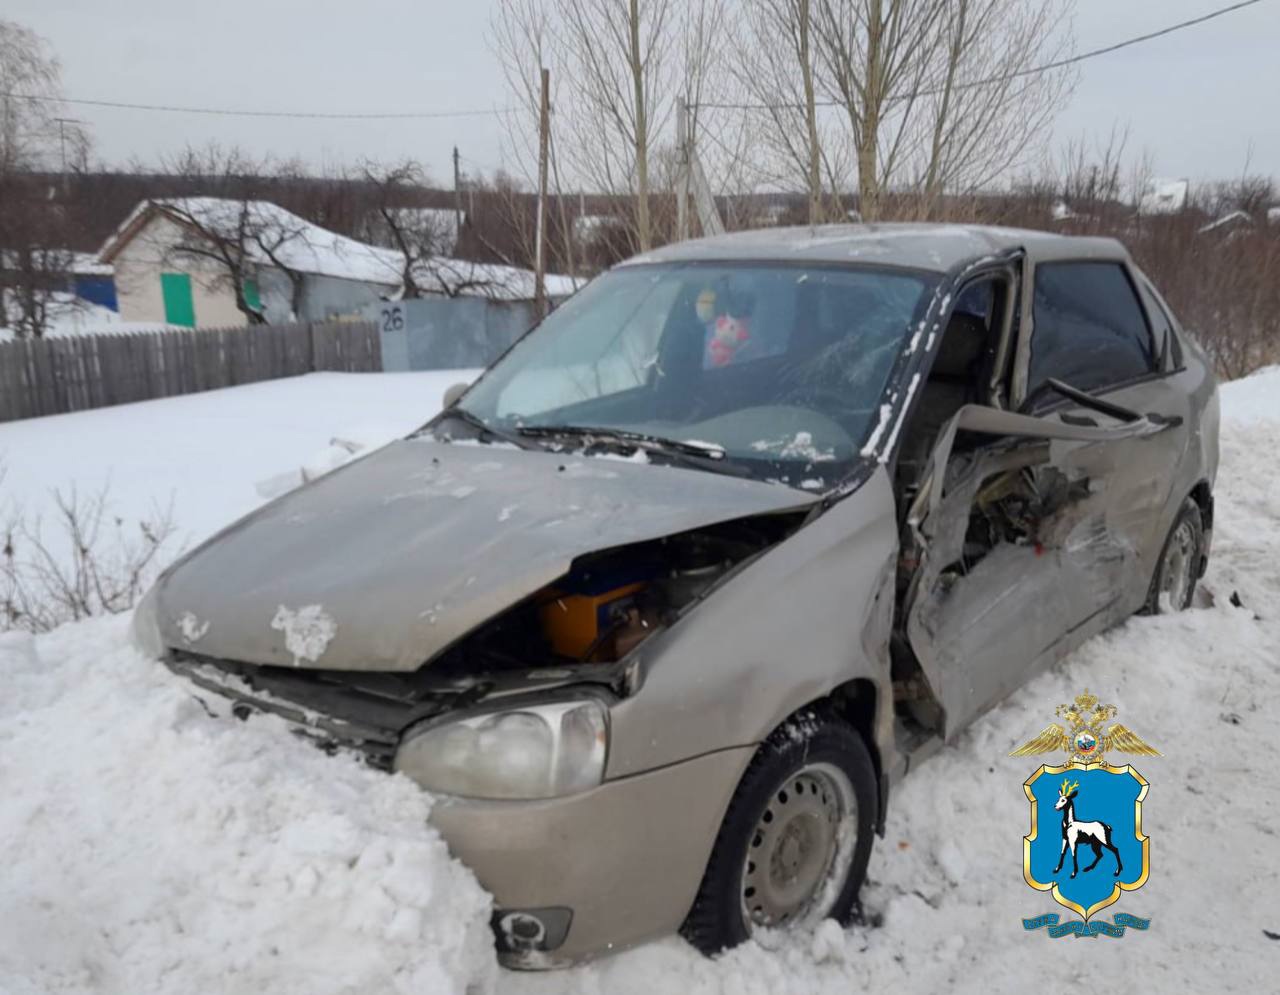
[{"x": 1083, "y": 737}]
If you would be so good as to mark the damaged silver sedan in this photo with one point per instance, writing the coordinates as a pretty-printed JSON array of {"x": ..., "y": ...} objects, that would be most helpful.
[{"x": 663, "y": 606}]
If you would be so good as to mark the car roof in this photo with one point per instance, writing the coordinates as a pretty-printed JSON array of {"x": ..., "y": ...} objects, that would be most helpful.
[{"x": 935, "y": 247}]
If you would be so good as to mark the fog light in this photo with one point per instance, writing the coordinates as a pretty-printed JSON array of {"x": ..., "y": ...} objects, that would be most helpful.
[{"x": 529, "y": 930}]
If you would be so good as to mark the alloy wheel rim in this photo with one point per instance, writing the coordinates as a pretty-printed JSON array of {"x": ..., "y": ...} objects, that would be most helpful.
[{"x": 800, "y": 850}]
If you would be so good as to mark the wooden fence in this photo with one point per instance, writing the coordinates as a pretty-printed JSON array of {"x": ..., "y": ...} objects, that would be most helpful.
[{"x": 76, "y": 373}]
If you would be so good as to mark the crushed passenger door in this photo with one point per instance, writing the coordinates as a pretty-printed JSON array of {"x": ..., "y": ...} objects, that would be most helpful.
[{"x": 1010, "y": 552}]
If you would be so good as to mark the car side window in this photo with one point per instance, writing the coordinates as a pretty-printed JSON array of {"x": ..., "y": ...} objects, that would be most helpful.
[
  {"x": 1090, "y": 331},
  {"x": 1166, "y": 336}
]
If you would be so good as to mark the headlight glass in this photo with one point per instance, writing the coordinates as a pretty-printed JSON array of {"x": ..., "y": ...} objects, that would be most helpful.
[{"x": 538, "y": 751}]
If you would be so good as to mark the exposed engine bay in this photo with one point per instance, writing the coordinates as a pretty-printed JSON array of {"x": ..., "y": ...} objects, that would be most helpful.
[
  {"x": 578, "y": 630},
  {"x": 612, "y": 601}
]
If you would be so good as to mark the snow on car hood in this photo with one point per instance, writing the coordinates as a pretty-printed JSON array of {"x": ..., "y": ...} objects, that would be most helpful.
[{"x": 384, "y": 563}]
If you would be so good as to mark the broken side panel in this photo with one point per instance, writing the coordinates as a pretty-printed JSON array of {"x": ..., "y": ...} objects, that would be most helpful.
[{"x": 1013, "y": 547}]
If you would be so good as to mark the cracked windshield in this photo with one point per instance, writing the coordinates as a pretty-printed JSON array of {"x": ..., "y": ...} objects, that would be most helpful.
[{"x": 767, "y": 370}]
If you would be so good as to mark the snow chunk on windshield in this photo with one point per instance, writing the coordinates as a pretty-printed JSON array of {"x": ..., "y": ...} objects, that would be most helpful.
[
  {"x": 799, "y": 447},
  {"x": 307, "y": 631}
]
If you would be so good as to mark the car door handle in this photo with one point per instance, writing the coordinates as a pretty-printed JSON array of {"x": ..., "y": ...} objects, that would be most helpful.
[
  {"x": 1083, "y": 420},
  {"x": 1164, "y": 421}
]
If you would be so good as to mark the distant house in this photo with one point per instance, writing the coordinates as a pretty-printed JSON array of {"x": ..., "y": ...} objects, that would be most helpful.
[
  {"x": 93, "y": 281},
  {"x": 1163, "y": 196},
  {"x": 163, "y": 253},
  {"x": 1227, "y": 225}
]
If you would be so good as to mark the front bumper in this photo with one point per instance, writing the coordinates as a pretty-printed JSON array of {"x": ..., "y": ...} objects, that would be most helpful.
[
  {"x": 601, "y": 870},
  {"x": 624, "y": 859}
]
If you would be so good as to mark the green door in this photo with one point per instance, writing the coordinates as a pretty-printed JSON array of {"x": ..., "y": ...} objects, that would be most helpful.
[
  {"x": 252, "y": 297},
  {"x": 179, "y": 308}
]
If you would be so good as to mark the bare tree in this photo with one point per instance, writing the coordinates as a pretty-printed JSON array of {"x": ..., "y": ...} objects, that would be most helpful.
[
  {"x": 522, "y": 34},
  {"x": 988, "y": 106},
  {"x": 86, "y": 562},
  {"x": 935, "y": 95},
  {"x": 780, "y": 75},
  {"x": 420, "y": 236},
  {"x": 34, "y": 261},
  {"x": 617, "y": 67},
  {"x": 1089, "y": 180},
  {"x": 233, "y": 232},
  {"x": 876, "y": 57},
  {"x": 617, "y": 60},
  {"x": 37, "y": 276},
  {"x": 30, "y": 90}
]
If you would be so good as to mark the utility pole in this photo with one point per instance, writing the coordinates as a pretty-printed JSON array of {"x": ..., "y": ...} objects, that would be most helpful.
[
  {"x": 62, "y": 142},
  {"x": 682, "y": 169},
  {"x": 544, "y": 133},
  {"x": 457, "y": 190}
]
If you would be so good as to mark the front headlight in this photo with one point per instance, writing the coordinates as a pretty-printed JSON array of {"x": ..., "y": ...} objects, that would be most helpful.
[
  {"x": 537, "y": 751},
  {"x": 145, "y": 629}
]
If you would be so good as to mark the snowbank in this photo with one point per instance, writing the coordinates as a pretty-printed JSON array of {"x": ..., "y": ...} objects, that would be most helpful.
[{"x": 151, "y": 848}]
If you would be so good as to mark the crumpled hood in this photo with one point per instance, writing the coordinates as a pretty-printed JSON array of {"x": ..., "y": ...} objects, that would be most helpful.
[{"x": 384, "y": 563}]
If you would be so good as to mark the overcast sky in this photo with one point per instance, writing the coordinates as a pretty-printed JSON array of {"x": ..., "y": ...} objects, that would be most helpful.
[{"x": 1196, "y": 100}]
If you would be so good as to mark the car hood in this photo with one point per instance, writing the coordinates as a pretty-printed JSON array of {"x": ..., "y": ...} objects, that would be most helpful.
[{"x": 384, "y": 563}]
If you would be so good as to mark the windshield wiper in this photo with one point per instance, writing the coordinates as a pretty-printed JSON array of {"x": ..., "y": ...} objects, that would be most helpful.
[
  {"x": 481, "y": 426},
  {"x": 700, "y": 456}
]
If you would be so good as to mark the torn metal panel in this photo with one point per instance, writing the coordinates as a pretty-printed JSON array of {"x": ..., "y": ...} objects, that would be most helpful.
[
  {"x": 991, "y": 421},
  {"x": 1015, "y": 546}
]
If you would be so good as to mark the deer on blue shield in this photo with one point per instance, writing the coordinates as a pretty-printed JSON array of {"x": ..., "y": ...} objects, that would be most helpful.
[{"x": 1093, "y": 834}]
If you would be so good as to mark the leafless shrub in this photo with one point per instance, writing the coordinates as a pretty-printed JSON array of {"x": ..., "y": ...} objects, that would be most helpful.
[{"x": 85, "y": 562}]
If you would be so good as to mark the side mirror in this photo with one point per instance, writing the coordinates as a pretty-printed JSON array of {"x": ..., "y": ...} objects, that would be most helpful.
[{"x": 452, "y": 395}]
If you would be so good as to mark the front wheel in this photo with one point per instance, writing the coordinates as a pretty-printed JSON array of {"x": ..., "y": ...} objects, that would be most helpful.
[
  {"x": 1174, "y": 583},
  {"x": 794, "y": 845}
]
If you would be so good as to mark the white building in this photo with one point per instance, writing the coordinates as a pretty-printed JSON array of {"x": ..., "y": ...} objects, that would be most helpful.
[
  {"x": 166, "y": 268},
  {"x": 1163, "y": 196}
]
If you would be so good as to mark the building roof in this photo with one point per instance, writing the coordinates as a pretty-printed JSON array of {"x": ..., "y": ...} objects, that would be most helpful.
[
  {"x": 441, "y": 275},
  {"x": 86, "y": 264},
  {"x": 1161, "y": 196},
  {"x": 917, "y": 246},
  {"x": 439, "y": 223},
  {"x": 308, "y": 248},
  {"x": 1227, "y": 222},
  {"x": 313, "y": 249}
]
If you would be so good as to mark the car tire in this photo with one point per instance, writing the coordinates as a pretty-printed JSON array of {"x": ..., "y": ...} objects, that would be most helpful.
[
  {"x": 809, "y": 784},
  {"x": 1174, "y": 584}
]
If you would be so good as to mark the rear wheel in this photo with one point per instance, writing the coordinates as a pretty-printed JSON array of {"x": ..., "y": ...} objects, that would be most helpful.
[
  {"x": 1174, "y": 583},
  {"x": 794, "y": 844}
]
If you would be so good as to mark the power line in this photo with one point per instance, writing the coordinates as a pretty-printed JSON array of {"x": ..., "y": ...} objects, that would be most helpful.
[
  {"x": 494, "y": 112},
  {"x": 1034, "y": 70},
  {"x": 232, "y": 112}
]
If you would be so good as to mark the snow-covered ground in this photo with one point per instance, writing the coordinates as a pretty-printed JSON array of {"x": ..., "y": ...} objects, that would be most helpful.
[
  {"x": 150, "y": 848},
  {"x": 217, "y": 455}
]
